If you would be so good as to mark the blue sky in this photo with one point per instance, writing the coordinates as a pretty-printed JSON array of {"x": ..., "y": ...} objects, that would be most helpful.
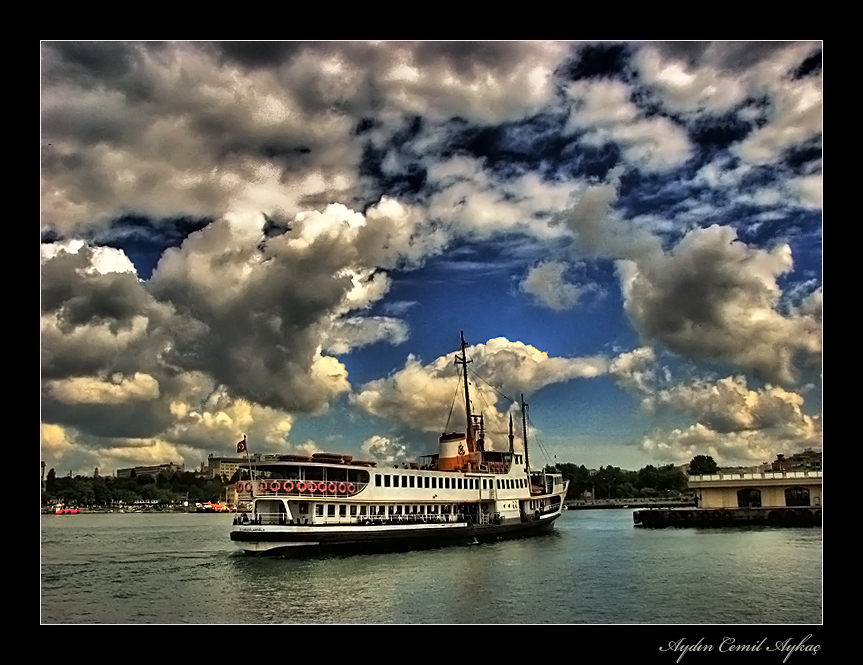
[{"x": 285, "y": 240}]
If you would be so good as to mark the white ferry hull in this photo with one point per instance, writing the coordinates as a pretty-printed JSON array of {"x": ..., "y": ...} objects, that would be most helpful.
[{"x": 289, "y": 539}]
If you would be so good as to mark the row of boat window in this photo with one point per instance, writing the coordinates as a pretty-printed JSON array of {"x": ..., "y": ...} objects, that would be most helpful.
[
  {"x": 434, "y": 482},
  {"x": 362, "y": 510}
]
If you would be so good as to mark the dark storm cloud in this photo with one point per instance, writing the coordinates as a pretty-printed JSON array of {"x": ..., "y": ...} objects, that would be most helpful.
[
  {"x": 731, "y": 56},
  {"x": 94, "y": 61},
  {"x": 113, "y": 66},
  {"x": 688, "y": 52},
  {"x": 258, "y": 336},
  {"x": 130, "y": 420},
  {"x": 714, "y": 298},
  {"x": 97, "y": 322},
  {"x": 811, "y": 66},
  {"x": 468, "y": 59},
  {"x": 741, "y": 56},
  {"x": 719, "y": 131},
  {"x": 806, "y": 157},
  {"x": 258, "y": 54},
  {"x": 605, "y": 60}
]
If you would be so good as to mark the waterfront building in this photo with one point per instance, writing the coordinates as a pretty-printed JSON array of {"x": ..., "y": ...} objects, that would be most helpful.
[
  {"x": 758, "y": 489},
  {"x": 168, "y": 469}
]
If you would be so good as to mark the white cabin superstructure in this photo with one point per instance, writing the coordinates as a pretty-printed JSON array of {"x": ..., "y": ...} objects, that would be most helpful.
[{"x": 464, "y": 492}]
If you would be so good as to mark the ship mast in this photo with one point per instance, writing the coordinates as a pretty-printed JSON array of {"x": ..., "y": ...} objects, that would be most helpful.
[
  {"x": 463, "y": 361},
  {"x": 524, "y": 432}
]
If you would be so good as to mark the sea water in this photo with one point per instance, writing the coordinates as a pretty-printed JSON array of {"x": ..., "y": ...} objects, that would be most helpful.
[{"x": 595, "y": 568}]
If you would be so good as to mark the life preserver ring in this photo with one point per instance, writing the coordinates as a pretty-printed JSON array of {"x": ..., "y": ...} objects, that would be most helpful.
[
  {"x": 275, "y": 486},
  {"x": 321, "y": 487},
  {"x": 351, "y": 489},
  {"x": 288, "y": 486},
  {"x": 342, "y": 488},
  {"x": 262, "y": 486},
  {"x": 301, "y": 486},
  {"x": 331, "y": 488}
]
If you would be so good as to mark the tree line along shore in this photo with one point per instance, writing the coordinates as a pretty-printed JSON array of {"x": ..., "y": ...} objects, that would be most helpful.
[{"x": 105, "y": 492}]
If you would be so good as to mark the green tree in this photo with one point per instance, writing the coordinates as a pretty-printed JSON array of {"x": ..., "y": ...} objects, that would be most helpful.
[
  {"x": 101, "y": 492},
  {"x": 702, "y": 465}
]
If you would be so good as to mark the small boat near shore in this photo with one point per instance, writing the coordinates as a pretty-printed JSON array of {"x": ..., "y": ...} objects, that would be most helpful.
[
  {"x": 61, "y": 509},
  {"x": 464, "y": 493},
  {"x": 218, "y": 507}
]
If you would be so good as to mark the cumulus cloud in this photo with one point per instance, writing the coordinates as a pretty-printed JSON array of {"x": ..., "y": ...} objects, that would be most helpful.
[
  {"x": 728, "y": 405},
  {"x": 354, "y": 332},
  {"x": 119, "y": 389},
  {"x": 374, "y": 158},
  {"x": 635, "y": 370},
  {"x": 717, "y": 76},
  {"x": 385, "y": 450},
  {"x": 599, "y": 230},
  {"x": 471, "y": 201},
  {"x": 732, "y": 422},
  {"x": 747, "y": 447},
  {"x": 795, "y": 117},
  {"x": 546, "y": 283},
  {"x": 211, "y": 129},
  {"x": 715, "y": 298},
  {"x": 604, "y": 111},
  {"x": 250, "y": 315},
  {"x": 810, "y": 190},
  {"x": 419, "y": 396}
]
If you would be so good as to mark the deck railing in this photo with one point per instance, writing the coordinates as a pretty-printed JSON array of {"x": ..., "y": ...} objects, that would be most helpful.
[
  {"x": 765, "y": 475},
  {"x": 306, "y": 520}
]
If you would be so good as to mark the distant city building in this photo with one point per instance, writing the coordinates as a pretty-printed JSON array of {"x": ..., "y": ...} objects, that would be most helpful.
[
  {"x": 808, "y": 459},
  {"x": 168, "y": 469},
  {"x": 227, "y": 466},
  {"x": 222, "y": 466}
]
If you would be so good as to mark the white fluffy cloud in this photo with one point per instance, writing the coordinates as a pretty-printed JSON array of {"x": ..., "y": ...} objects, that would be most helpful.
[
  {"x": 471, "y": 201},
  {"x": 635, "y": 370},
  {"x": 385, "y": 450},
  {"x": 604, "y": 111},
  {"x": 116, "y": 390},
  {"x": 547, "y": 284},
  {"x": 419, "y": 396},
  {"x": 728, "y": 405},
  {"x": 796, "y": 116}
]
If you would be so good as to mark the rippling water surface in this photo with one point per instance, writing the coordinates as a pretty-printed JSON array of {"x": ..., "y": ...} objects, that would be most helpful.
[{"x": 596, "y": 568}]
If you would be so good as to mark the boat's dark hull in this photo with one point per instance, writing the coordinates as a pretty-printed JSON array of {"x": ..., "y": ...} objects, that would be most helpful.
[{"x": 323, "y": 538}]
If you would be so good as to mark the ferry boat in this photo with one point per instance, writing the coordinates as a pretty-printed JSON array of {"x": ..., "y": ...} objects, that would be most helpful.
[{"x": 462, "y": 494}]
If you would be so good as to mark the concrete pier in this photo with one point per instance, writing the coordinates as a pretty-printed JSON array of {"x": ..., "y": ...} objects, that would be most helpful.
[{"x": 713, "y": 517}]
